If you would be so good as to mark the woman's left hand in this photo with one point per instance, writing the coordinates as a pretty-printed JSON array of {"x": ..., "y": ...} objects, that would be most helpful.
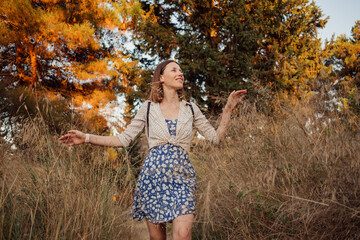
[{"x": 235, "y": 98}]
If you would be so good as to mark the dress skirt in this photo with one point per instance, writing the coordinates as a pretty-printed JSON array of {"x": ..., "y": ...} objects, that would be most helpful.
[{"x": 166, "y": 186}]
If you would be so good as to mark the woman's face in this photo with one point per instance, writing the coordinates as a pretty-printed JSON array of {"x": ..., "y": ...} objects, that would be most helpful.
[{"x": 172, "y": 76}]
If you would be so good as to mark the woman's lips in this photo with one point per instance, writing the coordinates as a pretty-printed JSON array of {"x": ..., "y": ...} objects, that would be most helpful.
[{"x": 180, "y": 79}]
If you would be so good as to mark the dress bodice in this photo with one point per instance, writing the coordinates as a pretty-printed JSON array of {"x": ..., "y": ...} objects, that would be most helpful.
[{"x": 172, "y": 126}]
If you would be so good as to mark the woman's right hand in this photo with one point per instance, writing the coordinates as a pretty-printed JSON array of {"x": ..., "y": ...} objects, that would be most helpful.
[{"x": 73, "y": 137}]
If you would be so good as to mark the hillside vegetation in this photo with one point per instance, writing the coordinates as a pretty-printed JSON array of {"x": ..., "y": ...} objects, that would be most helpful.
[{"x": 292, "y": 175}]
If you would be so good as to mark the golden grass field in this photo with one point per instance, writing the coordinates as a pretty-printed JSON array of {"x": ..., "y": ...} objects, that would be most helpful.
[{"x": 292, "y": 175}]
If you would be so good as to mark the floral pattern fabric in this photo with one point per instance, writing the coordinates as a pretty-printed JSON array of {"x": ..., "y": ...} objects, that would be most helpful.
[{"x": 167, "y": 184}]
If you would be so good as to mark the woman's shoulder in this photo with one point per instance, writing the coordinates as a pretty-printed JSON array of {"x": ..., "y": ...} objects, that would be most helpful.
[
  {"x": 149, "y": 107},
  {"x": 192, "y": 105},
  {"x": 143, "y": 108},
  {"x": 188, "y": 103},
  {"x": 146, "y": 103}
]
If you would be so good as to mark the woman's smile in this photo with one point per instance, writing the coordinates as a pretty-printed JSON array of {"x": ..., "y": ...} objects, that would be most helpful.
[{"x": 172, "y": 77}]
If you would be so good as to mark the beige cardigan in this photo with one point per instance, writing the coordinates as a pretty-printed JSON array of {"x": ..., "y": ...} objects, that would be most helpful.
[{"x": 158, "y": 130}]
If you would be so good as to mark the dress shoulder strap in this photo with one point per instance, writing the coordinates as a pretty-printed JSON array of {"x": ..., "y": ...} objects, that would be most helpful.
[
  {"x": 191, "y": 107},
  {"x": 147, "y": 117},
  {"x": 192, "y": 111}
]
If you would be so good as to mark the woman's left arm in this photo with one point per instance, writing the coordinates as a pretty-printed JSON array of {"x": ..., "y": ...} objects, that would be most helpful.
[{"x": 232, "y": 101}]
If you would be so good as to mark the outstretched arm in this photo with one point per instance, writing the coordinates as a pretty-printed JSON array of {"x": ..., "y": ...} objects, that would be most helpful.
[
  {"x": 233, "y": 100},
  {"x": 75, "y": 137}
]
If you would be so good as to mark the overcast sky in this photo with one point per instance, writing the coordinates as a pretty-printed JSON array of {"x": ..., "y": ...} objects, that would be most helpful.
[{"x": 342, "y": 13}]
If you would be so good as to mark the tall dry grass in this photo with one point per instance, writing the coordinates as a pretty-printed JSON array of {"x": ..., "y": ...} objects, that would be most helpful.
[
  {"x": 50, "y": 191},
  {"x": 294, "y": 175}
]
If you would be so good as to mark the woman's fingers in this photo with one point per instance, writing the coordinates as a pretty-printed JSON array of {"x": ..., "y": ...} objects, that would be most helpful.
[
  {"x": 66, "y": 136},
  {"x": 238, "y": 93},
  {"x": 63, "y": 137},
  {"x": 73, "y": 137},
  {"x": 235, "y": 97},
  {"x": 241, "y": 92},
  {"x": 69, "y": 134},
  {"x": 66, "y": 140},
  {"x": 69, "y": 141}
]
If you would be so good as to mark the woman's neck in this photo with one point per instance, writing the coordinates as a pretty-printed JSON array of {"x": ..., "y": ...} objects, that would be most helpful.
[{"x": 170, "y": 96}]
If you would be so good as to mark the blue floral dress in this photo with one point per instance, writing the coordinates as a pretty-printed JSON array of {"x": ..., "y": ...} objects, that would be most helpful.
[{"x": 167, "y": 184}]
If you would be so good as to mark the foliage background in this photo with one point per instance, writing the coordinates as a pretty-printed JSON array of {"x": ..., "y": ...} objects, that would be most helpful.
[{"x": 287, "y": 169}]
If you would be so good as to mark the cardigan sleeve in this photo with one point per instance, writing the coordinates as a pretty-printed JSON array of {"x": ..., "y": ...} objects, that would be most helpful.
[
  {"x": 204, "y": 126},
  {"x": 135, "y": 127}
]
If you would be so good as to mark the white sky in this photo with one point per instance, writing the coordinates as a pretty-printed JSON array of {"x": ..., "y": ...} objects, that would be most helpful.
[{"x": 342, "y": 13}]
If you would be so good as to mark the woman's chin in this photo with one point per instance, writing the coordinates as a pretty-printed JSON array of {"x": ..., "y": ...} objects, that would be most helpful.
[{"x": 179, "y": 87}]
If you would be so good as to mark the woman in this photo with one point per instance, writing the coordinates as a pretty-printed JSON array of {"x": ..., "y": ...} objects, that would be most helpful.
[{"x": 165, "y": 190}]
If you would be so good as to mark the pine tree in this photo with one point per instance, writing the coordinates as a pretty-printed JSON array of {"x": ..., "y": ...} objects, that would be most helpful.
[
  {"x": 71, "y": 48},
  {"x": 227, "y": 45},
  {"x": 288, "y": 59},
  {"x": 344, "y": 57},
  {"x": 212, "y": 40}
]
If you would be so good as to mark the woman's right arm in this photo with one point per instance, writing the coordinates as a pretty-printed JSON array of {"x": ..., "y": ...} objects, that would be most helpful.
[{"x": 75, "y": 137}]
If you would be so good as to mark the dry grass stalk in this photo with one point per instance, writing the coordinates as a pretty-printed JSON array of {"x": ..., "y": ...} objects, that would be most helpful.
[{"x": 292, "y": 176}]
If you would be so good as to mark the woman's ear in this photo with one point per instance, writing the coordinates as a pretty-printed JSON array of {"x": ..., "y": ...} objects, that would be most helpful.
[{"x": 161, "y": 79}]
